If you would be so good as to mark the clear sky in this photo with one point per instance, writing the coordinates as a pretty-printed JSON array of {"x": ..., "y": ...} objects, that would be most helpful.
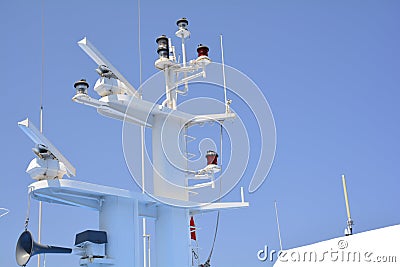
[{"x": 329, "y": 70}]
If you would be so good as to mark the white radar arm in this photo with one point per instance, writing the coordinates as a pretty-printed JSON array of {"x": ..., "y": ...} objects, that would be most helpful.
[
  {"x": 39, "y": 139},
  {"x": 97, "y": 57}
]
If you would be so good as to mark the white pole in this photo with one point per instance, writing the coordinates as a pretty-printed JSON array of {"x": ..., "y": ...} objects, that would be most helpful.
[
  {"x": 144, "y": 243},
  {"x": 142, "y": 139},
  {"x": 184, "y": 58},
  {"x": 223, "y": 75},
  {"x": 148, "y": 247},
  {"x": 183, "y": 50}
]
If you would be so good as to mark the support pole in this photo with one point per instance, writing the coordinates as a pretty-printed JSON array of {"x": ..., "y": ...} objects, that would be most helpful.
[{"x": 349, "y": 229}]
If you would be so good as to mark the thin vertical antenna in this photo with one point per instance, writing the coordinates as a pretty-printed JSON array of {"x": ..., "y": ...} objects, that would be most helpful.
[
  {"x": 140, "y": 49},
  {"x": 145, "y": 236},
  {"x": 279, "y": 227},
  {"x": 41, "y": 121},
  {"x": 220, "y": 145},
  {"x": 349, "y": 229},
  {"x": 223, "y": 75}
]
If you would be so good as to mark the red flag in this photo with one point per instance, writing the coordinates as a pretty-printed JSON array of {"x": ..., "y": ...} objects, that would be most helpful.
[{"x": 192, "y": 229}]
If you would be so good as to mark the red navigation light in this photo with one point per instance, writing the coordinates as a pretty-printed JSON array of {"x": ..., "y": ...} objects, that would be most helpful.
[
  {"x": 212, "y": 157},
  {"x": 202, "y": 50}
]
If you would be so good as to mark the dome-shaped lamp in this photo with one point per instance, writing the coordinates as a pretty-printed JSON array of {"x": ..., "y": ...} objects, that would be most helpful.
[
  {"x": 163, "y": 47},
  {"x": 212, "y": 157},
  {"x": 182, "y": 23},
  {"x": 81, "y": 86},
  {"x": 202, "y": 50}
]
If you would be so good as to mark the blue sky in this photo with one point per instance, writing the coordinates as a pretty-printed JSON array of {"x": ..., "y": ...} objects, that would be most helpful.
[{"x": 329, "y": 70}]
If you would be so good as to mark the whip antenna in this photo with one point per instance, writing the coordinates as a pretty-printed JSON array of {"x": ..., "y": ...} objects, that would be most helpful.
[
  {"x": 146, "y": 237},
  {"x": 223, "y": 75},
  {"x": 349, "y": 228},
  {"x": 41, "y": 120}
]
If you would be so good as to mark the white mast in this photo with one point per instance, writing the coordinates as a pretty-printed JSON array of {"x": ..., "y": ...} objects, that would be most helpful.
[{"x": 119, "y": 210}]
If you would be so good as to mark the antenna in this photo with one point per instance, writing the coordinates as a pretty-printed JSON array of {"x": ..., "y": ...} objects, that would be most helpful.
[
  {"x": 223, "y": 76},
  {"x": 41, "y": 124},
  {"x": 349, "y": 228},
  {"x": 146, "y": 237},
  {"x": 277, "y": 223}
]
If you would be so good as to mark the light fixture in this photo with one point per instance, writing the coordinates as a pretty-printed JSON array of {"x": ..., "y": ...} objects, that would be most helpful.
[
  {"x": 81, "y": 86},
  {"x": 212, "y": 157},
  {"x": 182, "y": 23},
  {"x": 163, "y": 47},
  {"x": 202, "y": 50}
]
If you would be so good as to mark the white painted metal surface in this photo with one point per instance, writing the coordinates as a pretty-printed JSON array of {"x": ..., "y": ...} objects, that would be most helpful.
[
  {"x": 374, "y": 248},
  {"x": 38, "y": 138},
  {"x": 119, "y": 210},
  {"x": 93, "y": 53}
]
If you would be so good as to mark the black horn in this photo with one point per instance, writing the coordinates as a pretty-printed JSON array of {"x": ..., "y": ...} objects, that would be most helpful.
[{"x": 27, "y": 247}]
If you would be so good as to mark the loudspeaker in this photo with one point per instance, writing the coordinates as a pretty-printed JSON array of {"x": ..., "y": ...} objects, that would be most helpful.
[{"x": 26, "y": 248}]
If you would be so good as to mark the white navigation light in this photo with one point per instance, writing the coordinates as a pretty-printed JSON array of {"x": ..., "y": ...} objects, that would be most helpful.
[
  {"x": 81, "y": 86},
  {"x": 182, "y": 32},
  {"x": 182, "y": 23},
  {"x": 42, "y": 144}
]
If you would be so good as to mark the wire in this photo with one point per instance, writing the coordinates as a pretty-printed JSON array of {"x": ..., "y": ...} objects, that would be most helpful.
[
  {"x": 207, "y": 263},
  {"x": 277, "y": 223},
  {"x": 215, "y": 238}
]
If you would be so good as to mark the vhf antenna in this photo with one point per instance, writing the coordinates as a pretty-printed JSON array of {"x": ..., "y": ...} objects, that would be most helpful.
[
  {"x": 41, "y": 124},
  {"x": 349, "y": 228}
]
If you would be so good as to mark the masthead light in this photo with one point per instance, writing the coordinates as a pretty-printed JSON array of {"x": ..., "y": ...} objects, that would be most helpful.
[
  {"x": 163, "y": 46},
  {"x": 182, "y": 23},
  {"x": 81, "y": 86}
]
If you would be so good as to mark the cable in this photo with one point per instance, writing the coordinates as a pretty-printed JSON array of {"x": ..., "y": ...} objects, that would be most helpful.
[
  {"x": 277, "y": 223},
  {"x": 207, "y": 263}
]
